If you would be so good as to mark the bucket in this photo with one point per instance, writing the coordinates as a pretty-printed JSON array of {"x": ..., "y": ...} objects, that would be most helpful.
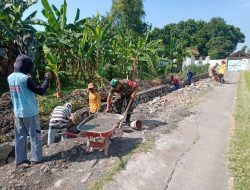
[{"x": 137, "y": 125}]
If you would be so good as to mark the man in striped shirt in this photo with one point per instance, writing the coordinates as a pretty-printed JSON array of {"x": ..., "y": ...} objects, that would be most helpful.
[{"x": 59, "y": 120}]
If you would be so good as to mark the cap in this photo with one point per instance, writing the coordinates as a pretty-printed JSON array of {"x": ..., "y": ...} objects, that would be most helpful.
[
  {"x": 91, "y": 85},
  {"x": 114, "y": 82}
]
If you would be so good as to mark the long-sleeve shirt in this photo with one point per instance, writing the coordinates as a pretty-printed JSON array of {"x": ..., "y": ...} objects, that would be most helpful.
[
  {"x": 59, "y": 118},
  {"x": 36, "y": 88},
  {"x": 94, "y": 102}
]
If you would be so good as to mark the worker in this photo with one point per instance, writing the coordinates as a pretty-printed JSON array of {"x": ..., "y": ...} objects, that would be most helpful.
[
  {"x": 124, "y": 89},
  {"x": 94, "y": 99},
  {"x": 59, "y": 121},
  {"x": 189, "y": 78},
  {"x": 174, "y": 82},
  {"x": 222, "y": 70},
  {"x": 27, "y": 122},
  {"x": 212, "y": 70}
]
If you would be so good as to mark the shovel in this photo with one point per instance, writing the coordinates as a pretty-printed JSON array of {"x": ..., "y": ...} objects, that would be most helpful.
[{"x": 125, "y": 113}]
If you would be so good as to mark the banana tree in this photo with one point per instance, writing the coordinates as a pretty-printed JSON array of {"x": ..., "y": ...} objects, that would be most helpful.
[
  {"x": 54, "y": 66},
  {"x": 60, "y": 38},
  {"x": 144, "y": 51},
  {"x": 175, "y": 54},
  {"x": 99, "y": 40},
  {"x": 16, "y": 33}
]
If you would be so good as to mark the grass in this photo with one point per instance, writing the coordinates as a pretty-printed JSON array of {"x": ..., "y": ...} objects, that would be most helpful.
[
  {"x": 239, "y": 149},
  {"x": 121, "y": 164},
  {"x": 49, "y": 101}
]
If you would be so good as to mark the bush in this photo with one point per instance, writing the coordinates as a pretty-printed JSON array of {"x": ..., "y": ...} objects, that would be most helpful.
[{"x": 196, "y": 69}]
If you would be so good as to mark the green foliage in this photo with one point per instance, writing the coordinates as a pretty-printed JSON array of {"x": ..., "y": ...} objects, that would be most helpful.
[
  {"x": 214, "y": 38},
  {"x": 16, "y": 33},
  {"x": 99, "y": 48},
  {"x": 13, "y": 27},
  {"x": 3, "y": 87},
  {"x": 129, "y": 14},
  {"x": 196, "y": 69},
  {"x": 239, "y": 150}
]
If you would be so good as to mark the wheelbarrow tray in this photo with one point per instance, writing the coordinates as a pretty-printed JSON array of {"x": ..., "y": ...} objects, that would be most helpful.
[
  {"x": 99, "y": 130},
  {"x": 101, "y": 123}
]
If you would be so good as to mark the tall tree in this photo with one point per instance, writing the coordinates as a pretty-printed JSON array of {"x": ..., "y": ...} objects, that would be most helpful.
[
  {"x": 223, "y": 38},
  {"x": 214, "y": 38},
  {"x": 129, "y": 14}
]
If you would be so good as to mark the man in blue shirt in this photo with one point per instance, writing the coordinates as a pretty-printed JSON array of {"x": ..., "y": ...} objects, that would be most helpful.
[
  {"x": 190, "y": 75},
  {"x": 27, "y": 123}
]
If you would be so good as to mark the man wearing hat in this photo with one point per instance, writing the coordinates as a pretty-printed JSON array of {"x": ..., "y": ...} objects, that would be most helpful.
[
  {"x": 94, "y": 99},
  {"x": 27, "y": 123},
  {"x": 124, "y": 89}
]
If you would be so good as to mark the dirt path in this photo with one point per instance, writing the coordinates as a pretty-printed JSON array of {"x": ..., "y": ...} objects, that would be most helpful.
[{"x": 193, "y": 155}]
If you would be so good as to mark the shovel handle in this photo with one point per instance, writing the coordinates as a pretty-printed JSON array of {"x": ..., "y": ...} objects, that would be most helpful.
[{"x": 126, "y": 112}]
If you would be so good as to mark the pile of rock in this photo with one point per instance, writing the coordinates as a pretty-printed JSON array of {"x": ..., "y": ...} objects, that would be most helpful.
[
  {"x": 7, "y": 154},
  {"x": 7, "y": 118}
]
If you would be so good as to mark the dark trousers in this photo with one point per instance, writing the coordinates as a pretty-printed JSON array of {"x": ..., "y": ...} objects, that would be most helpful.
[{"x": 119, "y": 99}]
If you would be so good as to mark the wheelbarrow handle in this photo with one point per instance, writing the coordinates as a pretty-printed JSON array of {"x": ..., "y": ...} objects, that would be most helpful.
[{"x": 68, "y": 134}]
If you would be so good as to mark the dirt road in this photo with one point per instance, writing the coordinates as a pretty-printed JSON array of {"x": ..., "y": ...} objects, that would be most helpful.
[{"x": 193, "y": 155}]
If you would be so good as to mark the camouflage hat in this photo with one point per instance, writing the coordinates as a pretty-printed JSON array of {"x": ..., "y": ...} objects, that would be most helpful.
[{"x": 114, "y": 82}]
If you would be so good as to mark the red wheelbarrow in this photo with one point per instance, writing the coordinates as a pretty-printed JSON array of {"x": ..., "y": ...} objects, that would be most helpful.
[{"x": 98, "y": 129}]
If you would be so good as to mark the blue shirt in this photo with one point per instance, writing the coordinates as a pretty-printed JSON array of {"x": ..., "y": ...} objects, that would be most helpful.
[
  {"x": 23, "y": 99},
  {"x": 190, "y": 75}
]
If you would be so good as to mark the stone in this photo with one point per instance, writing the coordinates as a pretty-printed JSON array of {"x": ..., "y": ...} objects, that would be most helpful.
[
  {"x": 5, "y": 150},
  {"x": 37, "y": 182},
  {"x": 76, "y": 118},
  {"x": 11, "y": 159},
  {"x": 53, "y": 170},
  {"x": 59, "y": 183},
  {"x": 85, "y": 177},
  {"x": 45, "y": 137}
]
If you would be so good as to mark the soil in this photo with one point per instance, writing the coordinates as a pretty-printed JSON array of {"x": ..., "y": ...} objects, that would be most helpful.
[
  {"x": 68, "y": 166},
  {"x": 78, "y": 96}
]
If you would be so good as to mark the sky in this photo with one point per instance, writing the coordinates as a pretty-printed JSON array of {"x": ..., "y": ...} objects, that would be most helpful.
[{"x": 162, "y": 12}]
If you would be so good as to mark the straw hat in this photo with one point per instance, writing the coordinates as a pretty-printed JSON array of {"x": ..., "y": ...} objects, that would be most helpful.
[{"x": 91, "y": 85}]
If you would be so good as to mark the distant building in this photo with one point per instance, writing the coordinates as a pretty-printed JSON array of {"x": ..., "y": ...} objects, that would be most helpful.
[{"x": 238, "y": 61}]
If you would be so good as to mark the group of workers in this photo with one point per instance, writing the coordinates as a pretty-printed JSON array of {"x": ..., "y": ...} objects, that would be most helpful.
[
  {"x": 216, "y": 72},
  {"x": 124, "y": 89},
  {"x": 27, "y": 122}
]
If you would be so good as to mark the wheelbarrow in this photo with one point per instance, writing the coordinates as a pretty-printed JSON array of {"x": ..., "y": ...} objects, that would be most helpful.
[{"x": 98, "y": 128}]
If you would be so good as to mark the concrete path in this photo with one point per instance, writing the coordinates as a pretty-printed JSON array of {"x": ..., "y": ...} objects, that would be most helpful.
[{"x": 193, "y": 156}]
